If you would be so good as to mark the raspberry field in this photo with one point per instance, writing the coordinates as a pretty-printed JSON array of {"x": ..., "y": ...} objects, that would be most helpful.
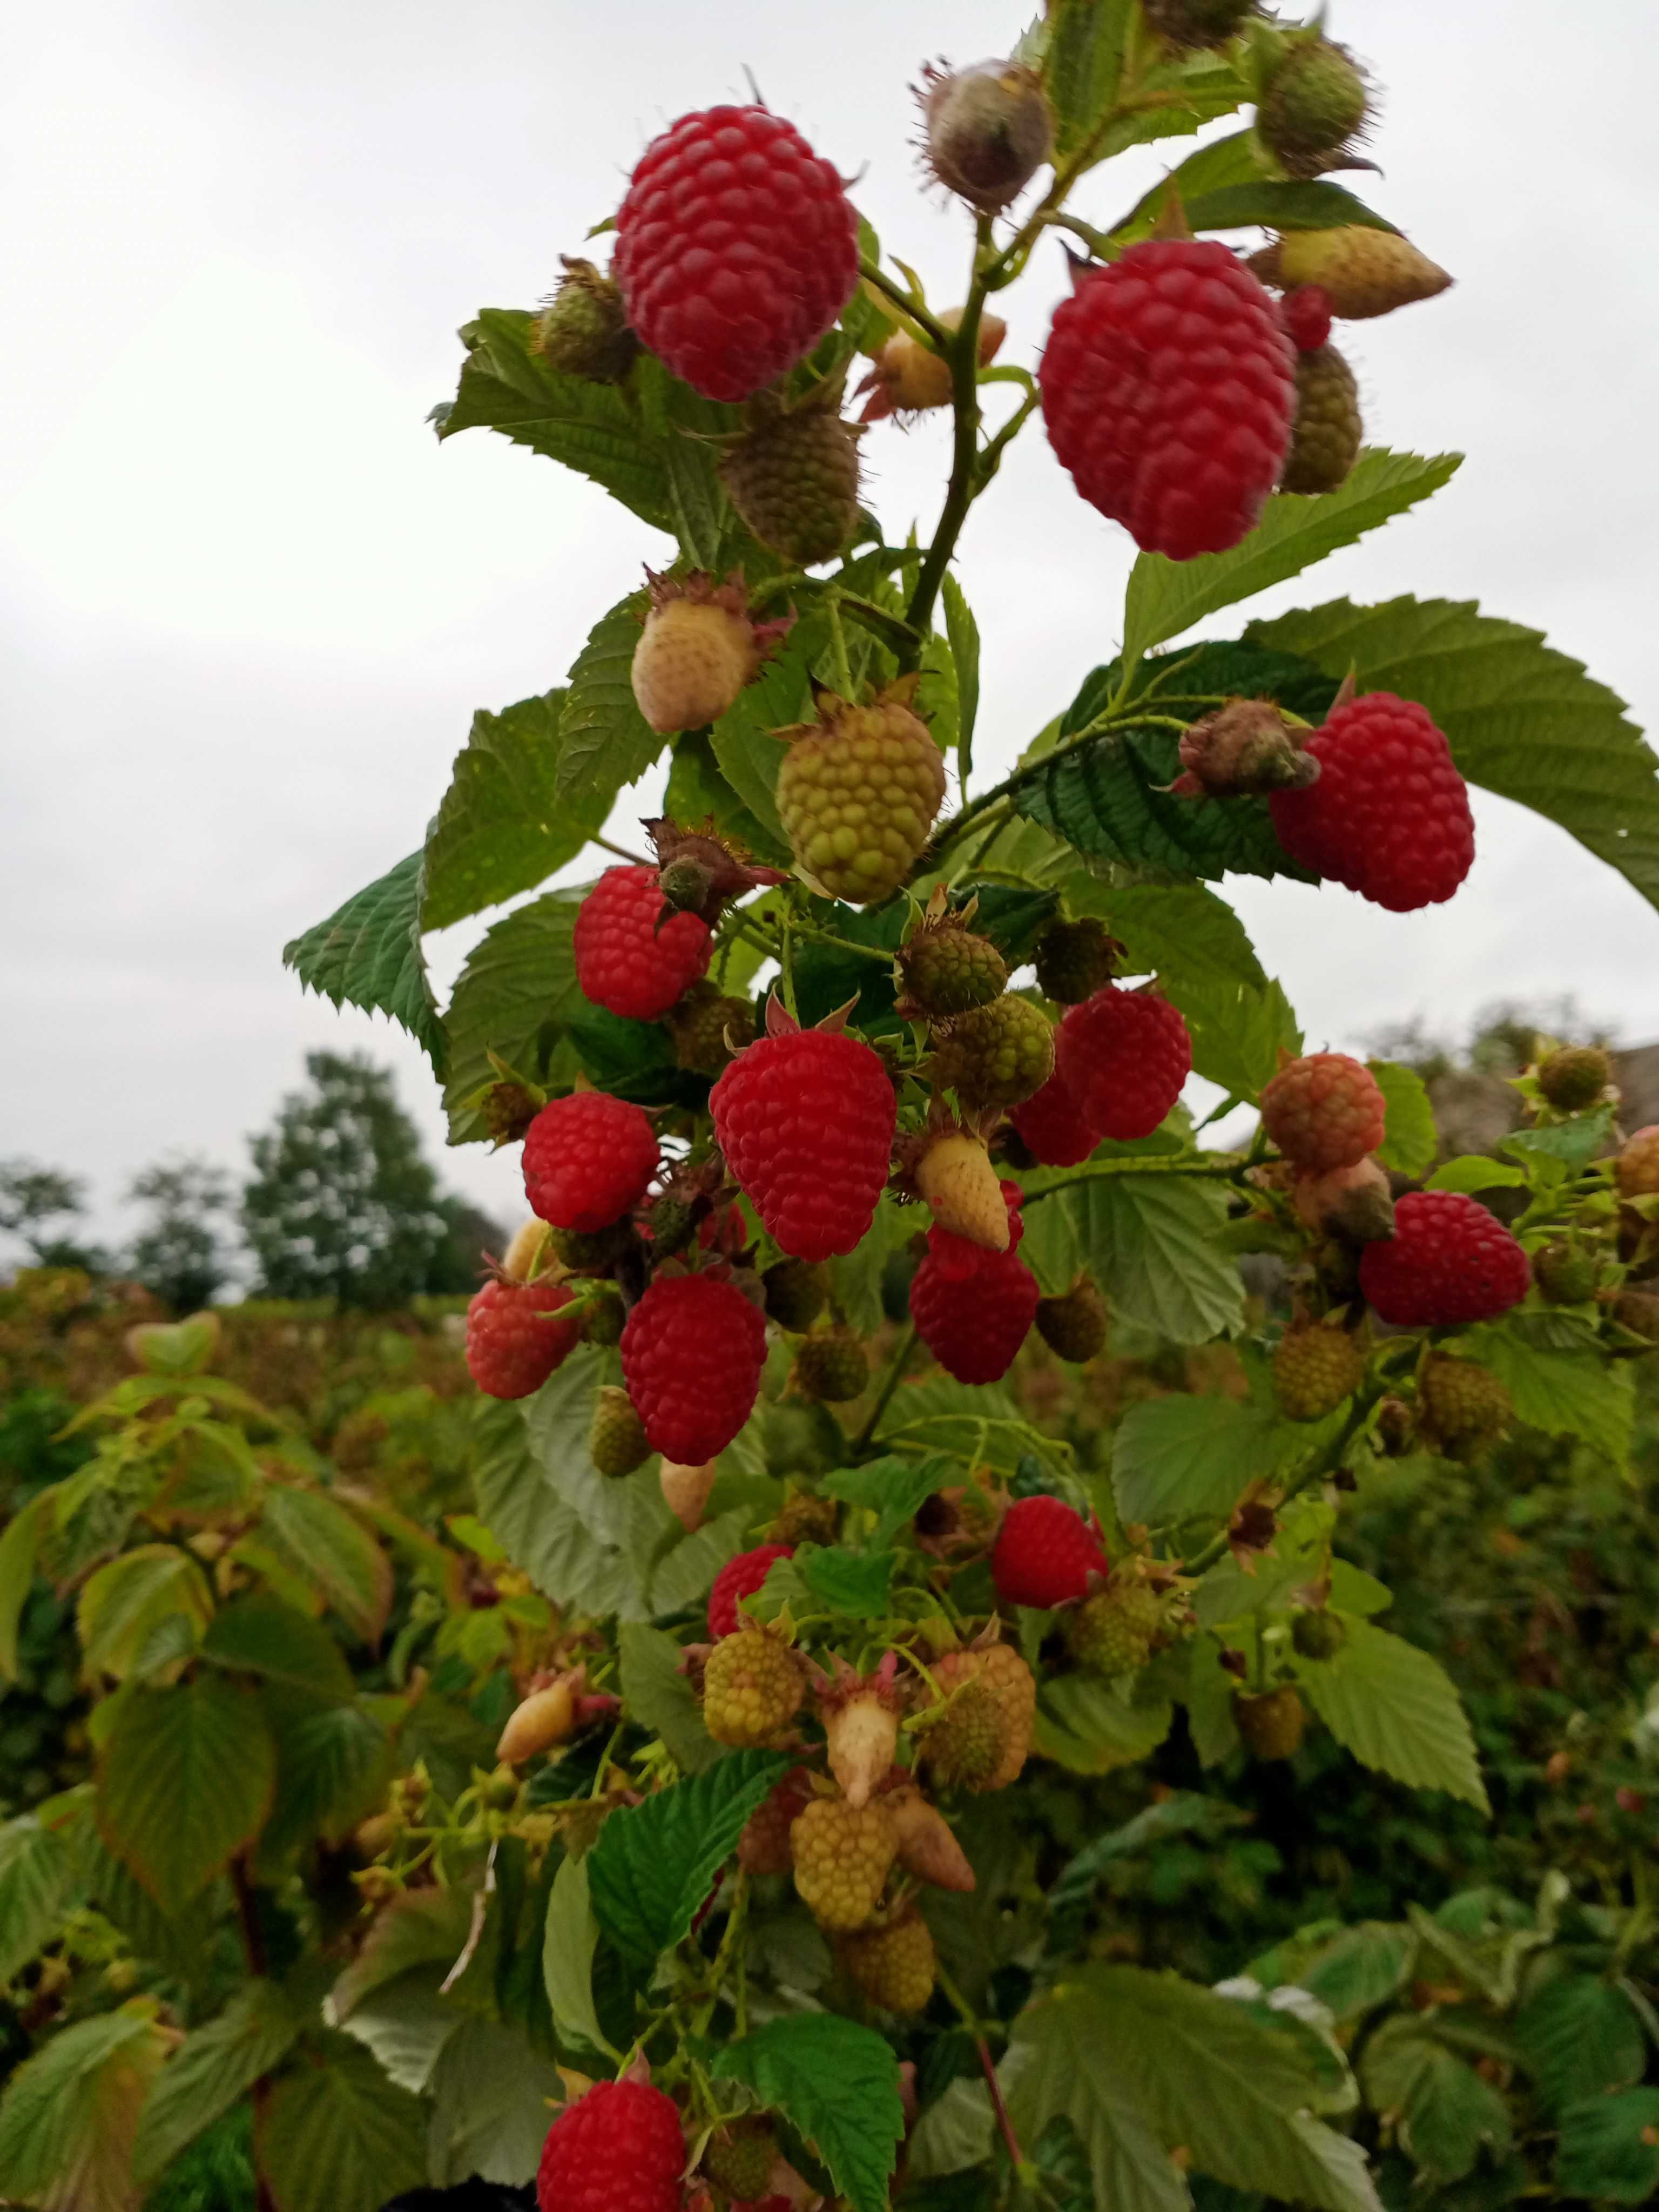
[{"x": 943, "y": 1632}]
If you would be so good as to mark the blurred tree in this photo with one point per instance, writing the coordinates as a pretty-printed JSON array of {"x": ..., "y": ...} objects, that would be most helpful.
[
  {"x": 458, "y": 1268},
  {"x": 342, "y": 1204},
  {"x": 32, "y": 1197},
  {"x": 182, "y": 1253}
]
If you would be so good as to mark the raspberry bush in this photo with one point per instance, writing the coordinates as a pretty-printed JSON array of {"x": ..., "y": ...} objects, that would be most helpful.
[{"x": 863, "y": 1085}]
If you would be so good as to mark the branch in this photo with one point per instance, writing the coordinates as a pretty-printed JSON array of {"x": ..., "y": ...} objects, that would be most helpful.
[{"x": 889, "y": 1383}]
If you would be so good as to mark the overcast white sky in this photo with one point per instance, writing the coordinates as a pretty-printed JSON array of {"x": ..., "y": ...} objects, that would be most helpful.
[{"x": 248, "y": 604}]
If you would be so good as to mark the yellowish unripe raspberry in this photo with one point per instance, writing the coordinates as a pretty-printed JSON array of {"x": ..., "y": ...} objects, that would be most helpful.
[
  {"x": 955, "y": 1176},
  {"x": 858, "y": 793},
  {"x": 696, "y": 652},
  {"x": 842, "y": 1856},
  {"x": 894, "y": 1967},
  {"x": 1314, "y": 1370},
  {"x": 537, "y": 1723},
  {"x": 998, "y": 1668},
  {"x": 752, "y": 1686},
  {"x": 1362, "y": 271},
  {"x": 1272, "y": 1725}
]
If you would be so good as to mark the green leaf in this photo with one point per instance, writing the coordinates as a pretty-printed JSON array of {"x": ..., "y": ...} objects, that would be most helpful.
[
  {"x": 259, "y": 1635},
  {"x": 185, "y": 1779},
  {"x": 333, "y": 1766},
  {"x": 1574, "y": 1143},
  {"x": 684, "y": 1573},
  {"x": 1447, "y": 2113},
  {"x": 1053, "y": 2075},
  {"x": 1271, "y": 206},
  {"x": 492, "y": 2097},
  {"x": 855, "y": 1584},
  {"x": 533, "y": 1514},
  {"x": 367, "y": 954},
  {"x": 1565, "y": 1394},
  {"x": 694, "y": 498},
  {"x": 125, "y": 1600},
  {"x": 18, "y": 1543},
  {"x": 654, "y": 1863},
  {"x": 1469, "y": 1172},
  {"x": 1360, "y": 1969},
  {"x": 657, "y": 1694},
  {"x": 890, "y": 1488},
  {"x": 1410, "y": 1141},
  {"x": 1185, "y": 1455},
  {"x": 502, "y": 829},
  {"x": 568, "y": 1942},
  {"x": 1086, "y": 1726},
  {"x": 962, "y": 631},
  {"x": 1234, "y": 160},
  {"x": 1082, "y": 64},
  {"x": 69, "y": 2113},
  {"x": 419, "y": 1928},
  {"x": 1352, "y": 1591},
  {"x": 37, "y": 1885},
  {"x": 331, "y": 1549},
  {"x": 1581, "y": 2039},
  {"x": 1165, "y": 597},
  {"x": 1153, "y": 1244},
  {"x": 594, "y": 428},
  {"x": 1396, "y": 1709},
  {"x": 210, "y": 2070},
  {"x": 605, "y": 742},
  {"x": 834, "y": 2081},
  {"x": 745, "y": 740},
  {"x": 517, "y": 988},
  {"x": 1609, "y": 2149},
  {"x": 1233, "y": 2085},
  {"x": 340, "y": 2137},
  {"x": 1522, "y": 719}
]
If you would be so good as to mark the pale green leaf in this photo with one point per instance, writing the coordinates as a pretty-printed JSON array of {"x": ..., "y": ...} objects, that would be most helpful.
[
  {"x": 1578, "y": 1394},
  {"x": 568, "y": 1942},
  {"x": 658, "y": 1695},
  {"x": 517, "y": 987},
  {"x": 1084, "y": 1724},
  {"x": 1469, "y": 1172},
  {"x": 962, "y": 631},
  {"x": 1396, "y": 1709},
  {"x": 185, "y": 1779},
  {"x": 1184, "y": 1454},
  {"x": 1051, "y": 2073},
  {"x": 1581, "y": 2039},
  {"x": 127, "y": 1599},
  {"x": 529, "y": 1511},
  {"x": 329, "y": 1550},
  {"x": 837, "y": 2083},
  {"x": 37, "y": 1886},
  {"x": 70, "y": 2113},
  {"x": 1166, "y": 597},
  {"x": 605, "y": 743},
  {"x": 211, "y": 2069},
  {"x": 367, "y": 954},
  {"x": 1445, "y": 2114},
  {"x": 406, "y": 2023},
  {"x": 18, "y": 1543},
  {"x": 419, "y": 1928},
  {"x": 956, "y": 2131},
  {"x": 494, "y": 2097},
  {"x": 340, "y": 2137},
  {"x": 654, "y": 1864},
  {"x": 1609, "y": 2149},
  {"x": 1152, "y": 1244},
  {"x": 1409, "y": 1140},
  {"x": 745, "y": 738}
]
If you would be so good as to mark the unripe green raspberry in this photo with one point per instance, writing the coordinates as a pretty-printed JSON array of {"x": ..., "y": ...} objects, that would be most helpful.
[
  {"x": 966, "y": 1749},
  {"x": 831, "y": 1367},
  {"x": 1114, "y": 1631},
  {"x": 508, "y": 1111},
  {"x": 616, "y": 1438},
  {"x": 591, "y": 1253},
  {"x": 1566, "y": 1274},
  {"x": 794, "y": 477},
  {"x": 842, "y": 1855},
  {"x": 948, "y": 970},
  {"x": 1074, "y": 1325},
  {"x": 1273, "y": 1724},
  {"x": 1466, "y": 1406},
  {"x": 740, "y": 2157},
  {"x": 706, "y": 1024},
  {"x": 1312, "y": 106},
  {"x": 583, "y": 329},
  {"x": 894, "y": 1967},
  {"x": 805, "y": 1518},
  {"x": 1314, "y": 1370},
  {"x": 1198, "y": 22},
  {"x": 752, "y": 1686},
  {"x": 995, "y": 1056},
  {"x": 1326, "y": 436},
  {"x": 1075, "y": 959},
  {"x": 797, "y": 1291},
  {"x": 1575, "y": 1077},
  {"x": 1362, "y": 272},
  {"x": 604, "y": 1321},
  {"x": 1318, "y": 1635},
  {"x": 858, "y": 792}
]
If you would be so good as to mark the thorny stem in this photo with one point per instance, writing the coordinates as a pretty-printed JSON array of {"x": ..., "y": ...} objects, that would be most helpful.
[
  {"x": 911, "y": 310},
  {"x": 838, "y": 646},
  {"x": 1325, "y": 1464},
  {"x": 1145, "y": 1164},
  {"x": 963, "y": 354},
  {"x": 623, "y": 853},
  {"x": 889, "y": 1383}
]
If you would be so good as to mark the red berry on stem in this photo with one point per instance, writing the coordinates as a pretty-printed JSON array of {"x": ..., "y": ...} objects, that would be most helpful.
[
  {"x": 741, "y": 1578},
  {"x": 737, "y": 248},
  {"x": 624, "y": 963},
  {"x": 587, "y": 1159},
  {"x": 1053, "y": 1126},
  {"x": 805, "y": 1120},
  {"x": 1324, "y": 1111},
  {"x": 1448, "y": 1261},
  {"x": 619, "y": 2148},
  {"x": 691, "y": 1359},
  {"x": 1169, "y": 392},
  {"x": 1389, "y": 815},
  {"x": 956, "y": 1256},
  {"x": 1044, "y": 1553},
  {"x": 1126, "y": 1055},
  {"x": 514, "y": 1339},
  {"x": 974, "y": 1325}
]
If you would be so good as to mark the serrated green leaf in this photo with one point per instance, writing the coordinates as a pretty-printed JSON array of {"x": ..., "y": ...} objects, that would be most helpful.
[
  {"x": 129, "y": 1597},
  {"x": 1469, "y": 1173},
  {"x": 1234, "y": 160},
  {"x": 69, "y": 2113},
  {"x": 331, "y": 1551},
  {"x": 745, "y": 740},
  {"x": 1522, "y": 719},
  {"x": 37, "y": 1884},
  {"x": 963, "y": 632},
  {"x": 1581, "y": 2039},
  {"x": 1574, "y": 1143},
  {"x": 1396, "y": 1709},
  {"x": 259, "y": 1635},
  {"x": 571, "y": 1939},
  {"x": 697, "y": 503},
  {"x": 367, "y": 954},
  {"x": 1609, "y": 2149},
  {"x": 605, "y": 743},
  {"x": 492, "y": 2098},
  {"x": 1052, "y": 2075},
  {"x": 418, "y": 1927},
  {"x": 855, "y": 1584},
  {"x": 1577, "y": 1393},
  {"x": 834, "y": 2080},
  {"x": 891, "y": 1488},
  {"x": 657, "y": 1694},
  {"x": 1269, "y": 205},
  {"x": 210, "y": 2070},
  {"x": 1184, "y": 1454},
  {"x": 1082, "y": 64},
  {"x": 594, "y": 428},
  {"x": 338, "y": 2137},
  {"x": 1152, "y": 1244},
  {"x": 1183, "y": 1813},
  {"x": 654, "y": 1864},
  {"x": 19, "y": 1542},
  {"x": 185, "y": 1779},
  {"x": 524, "y": 1506},
  {"x": 1410, "y": 1140},
  {"x": 1360, "y": 1969},
  {"x": 1086, "y": 1726},
  {"x": 334, "y": 1762},
  {"x": 1446, "y": 2114},
  {"x": 516, "y": 991},
  {"x": 503, "y": 827},
  {"x": 1352, "y": 1591}
]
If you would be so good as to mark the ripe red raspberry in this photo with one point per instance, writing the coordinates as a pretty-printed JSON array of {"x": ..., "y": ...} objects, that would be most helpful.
[
  {"x": 1169, "y": 391},
  {"x": 624, "y": 963},
  {"x": 1389, "y": 816},
  {"x": 1044, "y": 1553},
  {"x": 619, "y": 2148},
  {"x": 691, "y": 1359},
  {"x": 956, "y": 1258},
  {"x": 974, "y": 1325},
  {"x": 513, "y": 1340},
  {"x": 1052, "y": 1126},
  {"x": 1448, "y": 1260},
  {"x": 587, "y": 1159},
  {"x": 735, "y": 249},
  {"x": 805, "y": 1120},
  {"x": 1324, "y": 1111},
  {"x": 1307, "y": 313},
  {"x": 1126, "y": 1055},
  {"x": 739, "y": 1578}
]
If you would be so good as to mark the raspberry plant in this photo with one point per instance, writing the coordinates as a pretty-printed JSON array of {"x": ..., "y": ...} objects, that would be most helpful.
[{"x": 747, "y": 1861}]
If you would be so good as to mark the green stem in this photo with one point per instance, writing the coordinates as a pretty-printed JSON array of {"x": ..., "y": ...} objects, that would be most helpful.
[
  {"x": 841, "y": 944},
  {"x": 1147, "y": 1164},
  {"x": 787, "y": 962},
  {"x": 623, "y": 853},
  {"x": 911, "y": 308},
  {"x": 1325, "y": 1463},
  {"x": 884, "y": 1396},
  {"x": 963, "y": 354},
  {"x": 838, "y": 648}
]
